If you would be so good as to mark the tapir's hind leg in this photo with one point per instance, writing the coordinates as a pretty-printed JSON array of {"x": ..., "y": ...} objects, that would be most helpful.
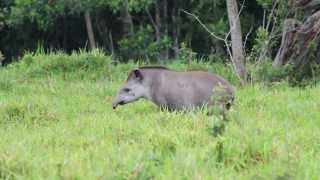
[
  {"x": 217, "y": 110},
  {"x": 218, "y": 105}
]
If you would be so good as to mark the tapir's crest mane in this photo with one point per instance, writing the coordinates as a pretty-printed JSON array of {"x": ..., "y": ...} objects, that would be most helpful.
[
  {"x": 146, "y": 67},
  {"x": 153, "y": 67}
]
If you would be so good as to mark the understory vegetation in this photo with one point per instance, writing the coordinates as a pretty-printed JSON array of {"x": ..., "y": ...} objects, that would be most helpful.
[{"x": 56, "y": 122}]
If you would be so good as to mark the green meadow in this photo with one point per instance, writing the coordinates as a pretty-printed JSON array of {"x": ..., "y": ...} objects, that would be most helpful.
[{"x": 56, "y": 122}]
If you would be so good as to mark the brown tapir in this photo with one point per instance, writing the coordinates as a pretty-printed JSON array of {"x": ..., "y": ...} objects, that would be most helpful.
[{"x": 175, "y": 90}]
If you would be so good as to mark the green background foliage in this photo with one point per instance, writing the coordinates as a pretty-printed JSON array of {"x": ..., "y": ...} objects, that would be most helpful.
[
  {"x": 56, "y": 119},
  {"x": 60, "y": 25}
]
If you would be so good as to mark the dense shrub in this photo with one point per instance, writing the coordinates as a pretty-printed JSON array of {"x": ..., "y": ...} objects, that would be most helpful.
[
  {"x": 79, "y": 65},
  {"x": 265, "y": 72},
  {"x": 46, "y": 64},
  {"x": 94, "y": 65},
  {"x": 142, "y": 45}
]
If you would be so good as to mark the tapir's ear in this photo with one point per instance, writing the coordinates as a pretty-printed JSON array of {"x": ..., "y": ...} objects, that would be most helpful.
[{"x": 138, "y": 74}]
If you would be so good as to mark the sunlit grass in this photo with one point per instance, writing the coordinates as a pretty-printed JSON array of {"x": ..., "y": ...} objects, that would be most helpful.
[{"x": 59, "y": 123}]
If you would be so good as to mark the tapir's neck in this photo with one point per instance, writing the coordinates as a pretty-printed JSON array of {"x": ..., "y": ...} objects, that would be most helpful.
[
  {"x": 153, "y": 83},
  {"x": 148, "y": 94}
]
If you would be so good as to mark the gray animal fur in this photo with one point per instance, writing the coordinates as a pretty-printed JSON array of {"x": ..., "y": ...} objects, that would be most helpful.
[{"x": 175, "y": 90}]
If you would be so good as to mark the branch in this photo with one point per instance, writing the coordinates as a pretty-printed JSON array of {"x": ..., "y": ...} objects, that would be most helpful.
[
  {"x": 272, "y": 14},
  {"x": 203, "y": 25},
  {"x": 238, "y": 16},
  {"x": 151, "y": 19},
  {"x": 247, "y": 36},
  {"x": 225, "y": 39}
]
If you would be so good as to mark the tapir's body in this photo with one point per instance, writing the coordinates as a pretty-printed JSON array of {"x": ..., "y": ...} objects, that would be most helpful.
[{"x": 175, "y": 90}]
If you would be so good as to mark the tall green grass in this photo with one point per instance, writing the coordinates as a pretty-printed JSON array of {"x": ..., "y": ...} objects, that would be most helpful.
[{"x": 56, "y": 122}]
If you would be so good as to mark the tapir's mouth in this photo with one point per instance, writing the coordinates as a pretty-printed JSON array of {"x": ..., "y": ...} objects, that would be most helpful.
[
  {"x": 122, "y": 103},
  {"x": 119, "y": 103}
]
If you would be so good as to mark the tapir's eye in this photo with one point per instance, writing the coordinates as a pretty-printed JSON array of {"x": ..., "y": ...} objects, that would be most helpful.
[{"x": 126, "y": 90}]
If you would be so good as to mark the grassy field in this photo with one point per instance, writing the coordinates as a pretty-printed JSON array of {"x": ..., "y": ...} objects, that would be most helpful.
[{"x": 56, "y": 122}]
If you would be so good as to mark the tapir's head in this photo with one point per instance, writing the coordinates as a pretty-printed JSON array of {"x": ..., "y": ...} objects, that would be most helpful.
[{"x": 134, "y": 88}]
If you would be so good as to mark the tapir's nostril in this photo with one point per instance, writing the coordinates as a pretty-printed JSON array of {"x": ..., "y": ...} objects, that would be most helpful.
[{"x": 114, "y": 105}]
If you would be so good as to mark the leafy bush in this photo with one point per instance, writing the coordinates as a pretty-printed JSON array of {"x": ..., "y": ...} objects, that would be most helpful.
[
  {"x": 261, "y": 45},
  {"x": 224, "y": 70},
  {"x": 265, "y": 72},
  {"x": 93, "y": 65},
  {"x": 306, "y": 75},
  {"x": 83, "y": 65},
  {"x": 142, "y": 45},
  {"x": 185, "y": 52}
]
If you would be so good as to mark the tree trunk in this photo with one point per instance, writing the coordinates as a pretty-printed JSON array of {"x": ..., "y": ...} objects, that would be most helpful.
[
  {"x": 236, "y": 39},
  {"x": 158, "y": 26},
  {"x": 305, "y": 4},
  {"x": 299, "y": 45},
  {"x": 175, "y": 31},
  {"x": 65, "y": 33},
  {"x": 1, "y": 58},
  {"x": 318, "y": 54},
  {"x": 165, "y": 18},
  {"x": 111, "y": 46},
  {"x": 92, "y": 41},
  {"x": 126, "y": 19},
  {"x": 289, "y": 29},
  {"x": 158, "y": 21}
]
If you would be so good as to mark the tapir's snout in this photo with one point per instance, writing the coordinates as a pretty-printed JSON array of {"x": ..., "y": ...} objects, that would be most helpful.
[
  {"x": 114, "y": 106},
  {"x": 117, "y": 102}
]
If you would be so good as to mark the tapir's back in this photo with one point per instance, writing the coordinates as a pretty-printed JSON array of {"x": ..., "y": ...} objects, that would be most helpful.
[{"x": 180, "y": 90}]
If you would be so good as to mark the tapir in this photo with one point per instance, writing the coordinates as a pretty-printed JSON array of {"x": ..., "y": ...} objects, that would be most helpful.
[{"x": 175, "y": 90}]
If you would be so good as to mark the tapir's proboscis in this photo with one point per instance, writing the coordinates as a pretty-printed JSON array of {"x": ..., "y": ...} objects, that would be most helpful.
[{"x": 175, "y": 90}]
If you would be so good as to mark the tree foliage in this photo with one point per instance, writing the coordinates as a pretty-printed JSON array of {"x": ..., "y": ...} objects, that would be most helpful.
[{"x": 60, "y": 24}]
